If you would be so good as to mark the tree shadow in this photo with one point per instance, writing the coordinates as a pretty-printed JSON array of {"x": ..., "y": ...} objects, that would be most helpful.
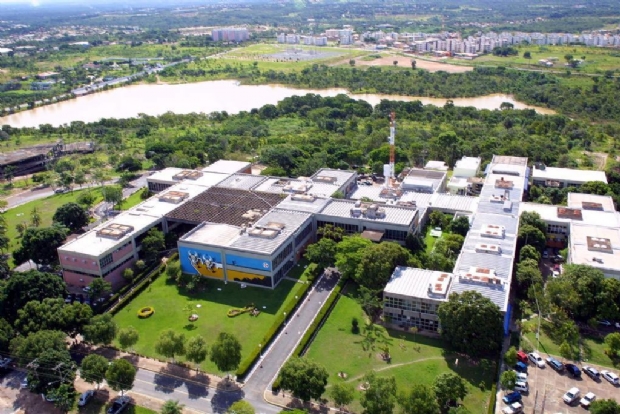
[
  {"x": 308, "y": 407},
  {"x": 165, "y": 380},
  {"x": 222, "y": 400},
  {"x": 189, "y": 327},
  {"x": 479, "y": 373}
]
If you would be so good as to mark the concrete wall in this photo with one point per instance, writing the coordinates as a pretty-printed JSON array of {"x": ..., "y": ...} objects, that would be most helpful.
[{"x": 87, "y": 264}]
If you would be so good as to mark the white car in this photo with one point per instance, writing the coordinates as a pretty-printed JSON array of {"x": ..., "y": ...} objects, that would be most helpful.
[
  {"x": 571, "y": 395},
  {"x": 587, "y": 399},
  {"x": 522, "y": 387},
  {"x": 611, "y": 377},
  {"x": 521, "y": 376},
  {"x": 536, "y": 359},
  {"x": 86, "y": 397},
  {"x": 513, "y": 408}
]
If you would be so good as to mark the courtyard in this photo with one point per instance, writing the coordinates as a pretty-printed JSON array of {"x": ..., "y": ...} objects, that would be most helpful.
[
  {"x": 210, "y": 302},
  {"x": 414, "y": 358}
]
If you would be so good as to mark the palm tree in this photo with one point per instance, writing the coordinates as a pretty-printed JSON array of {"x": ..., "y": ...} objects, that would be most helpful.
[
  {"x": 172, "y": 407},
  {"x": 35, "y": 217}
]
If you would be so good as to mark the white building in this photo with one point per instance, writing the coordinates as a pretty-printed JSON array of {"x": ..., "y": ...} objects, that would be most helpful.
[{"x": 564, "y": 177}]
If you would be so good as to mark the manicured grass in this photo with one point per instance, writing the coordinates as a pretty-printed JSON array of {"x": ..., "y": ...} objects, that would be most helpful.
[
  {"x": 415, "y": 359},
  {"x": 594, "y": 352},
  {"x": 132, "y": 201},
  {"x": 547, "y": 345},
  {"x": 216, "y": 299},
  {"x": 430, "y": 240},
  {"x": 46, "y": 206}
]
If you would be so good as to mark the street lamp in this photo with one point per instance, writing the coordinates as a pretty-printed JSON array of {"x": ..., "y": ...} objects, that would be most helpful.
[
  {"x": 260, "y": 351},
  {"x": 284, "y": 317}
]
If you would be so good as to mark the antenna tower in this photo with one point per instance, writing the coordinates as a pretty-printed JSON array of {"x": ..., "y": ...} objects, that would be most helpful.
[{"x": 391, "y": 139}]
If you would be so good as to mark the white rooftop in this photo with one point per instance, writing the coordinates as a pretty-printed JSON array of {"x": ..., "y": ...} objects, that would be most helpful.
[
  {"x": 227, "y": 166},
  {"x": 339, "y": 177},
  {"x": 242, "y": 181},
  {"x": 419, "y": 283},
  {"x": 468, "y": 163},
  {"x": 171, "y": 175},
  {"x": 436, "y": 165},
  {"x": 458, "y": 182},
  {"x": 568, "y": 174},
  {"x": 398, "y": 215},
  {"x": 596, "y": 246},
  {"x": 141, "y": 217},
  {"x": 590, "y": 202},
  {"x": 560, "y": 214}
]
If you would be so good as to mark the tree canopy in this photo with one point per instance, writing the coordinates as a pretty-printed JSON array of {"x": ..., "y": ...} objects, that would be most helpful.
[
  {"x": 380, "y": 394},
  {"x": 449, "y": 389},
  {"x": 93, "y": 369},
  {"x": 304, "y": 378},
  {"x": 23, "y": 287},
  {"x": 471, "y": 323},
  {"x": 226, "y": 352},
  {"x": 40, "y": 245},
  {"x": 72, "y": 216},
  {"x": 170, "y": 344},
  {"x": 101, "y": 329},
  {"x": 419, "y": 399},
  {"x": 120, "y": 375}
]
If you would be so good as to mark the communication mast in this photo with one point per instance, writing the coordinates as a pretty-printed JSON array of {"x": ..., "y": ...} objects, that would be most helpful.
[{"x": 388, "y": 170}]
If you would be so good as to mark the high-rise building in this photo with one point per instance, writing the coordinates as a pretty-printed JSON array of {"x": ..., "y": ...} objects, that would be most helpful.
[{"x": 230, "y": 34}]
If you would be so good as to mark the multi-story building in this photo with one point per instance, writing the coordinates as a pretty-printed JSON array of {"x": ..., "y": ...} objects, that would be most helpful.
[
  {"x": 230, "y": 34},
  {"x": 543, "y": 176}
]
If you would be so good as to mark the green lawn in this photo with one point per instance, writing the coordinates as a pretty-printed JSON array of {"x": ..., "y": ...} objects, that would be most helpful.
[
  {"x": 169, "y": 302},
  {"x": 132, "y": 201},
  {"x": 99, "y": 407},
  {"x": 414, "y": 358},
  {"x": 46, "y": 206}
]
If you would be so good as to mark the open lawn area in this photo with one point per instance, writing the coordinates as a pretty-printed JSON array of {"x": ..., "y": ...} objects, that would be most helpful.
[
  {"x": 415, "y": 358},
  {"x": 132, "y": 201},
  {"x": 46, "y": 207},
  {"x": 215, "y": 300}
]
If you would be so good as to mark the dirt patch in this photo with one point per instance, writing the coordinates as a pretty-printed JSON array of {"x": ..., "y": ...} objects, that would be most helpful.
[{"x": 405, "y": 62}]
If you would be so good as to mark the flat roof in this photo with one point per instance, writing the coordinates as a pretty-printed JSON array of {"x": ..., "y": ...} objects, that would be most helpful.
[
  {"x": 264, "y": 237},
  {"x": 225, "y": 205},
  {"x": 568, "y": 174},
  {"x": 402, "y": 216},
  {"x": 585, "y": 242},
  {"x": 560, "y": 214},
  {"x": 308, "y": 204},
  {"x": 139, "y": 218},
  {"x": 469, "y": 163},
  {"x": 331, "y": 176},
  {"x": 172, "y": 175},
  {"x": 227, "y": 166},
  {"x": 591, "y": 202},
  {"x": 454, "y": 202},
  {"x": 242, "y": 181},
  {"x": 414, "y": 282},
  {"x": 458, "y": 182},
  {"x": 436, "y": 165}
]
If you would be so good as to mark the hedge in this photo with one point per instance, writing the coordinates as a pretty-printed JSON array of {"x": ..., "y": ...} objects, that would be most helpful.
[
  {"x": 289, "y": 307},
  {"x": 492, "y": 400},
  {"x": 148, "y": 277},
  {"x": 318, "y": 320}
]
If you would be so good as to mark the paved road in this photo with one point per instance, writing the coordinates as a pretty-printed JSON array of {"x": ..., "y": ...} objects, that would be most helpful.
[{"x": 259, "y": 381}]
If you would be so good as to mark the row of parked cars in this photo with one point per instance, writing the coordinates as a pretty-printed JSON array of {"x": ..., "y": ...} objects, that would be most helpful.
[{"x": 513, "y": 399}]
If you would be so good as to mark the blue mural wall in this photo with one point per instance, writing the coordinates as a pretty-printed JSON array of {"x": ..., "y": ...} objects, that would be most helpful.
[
  {"x": 248, "y": 262},
  {"x": 199, "y": 261}
]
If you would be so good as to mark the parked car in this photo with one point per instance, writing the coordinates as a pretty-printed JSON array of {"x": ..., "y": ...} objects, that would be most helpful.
[
  {"x": 6, "y": 363},
  {"x": 521, "y": 376},
  {"x": 558, "y": 259},
  {"x": 536, "y": 359},
  {"x": 573, "y": 370},
  {"x": 522, "y": 387},
  {"x": 24, "y": 383},
  {"x": 605, "y": 323},
  {"x": 522, "y": 356},
  {"x": 69, "y": 298},
  {"x": 545, "y": 255},
  {"x": 513, "y": 408},
  {"x": 555, "y": 364},
  {"x": 86, "y": 397},
  {"x": 571, "y": 395},
  {"x": 587, "y": 400},
  {"x": 512, "y": 398},
  {"x": 611, "y": 377},
  {"x": 118, "y": 405},
  {"x": 592, "y": 373},
  {"x": 520, "y": 367},
  {"x": 60, "y": 190},
  {"x": 86, "y": 289}
]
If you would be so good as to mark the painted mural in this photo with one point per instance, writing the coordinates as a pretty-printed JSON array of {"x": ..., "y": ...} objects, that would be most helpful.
[{"x": 209, "y": 264}]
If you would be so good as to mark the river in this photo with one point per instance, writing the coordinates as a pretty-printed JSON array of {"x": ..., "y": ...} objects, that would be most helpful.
[{"x": 207, "y": 97}]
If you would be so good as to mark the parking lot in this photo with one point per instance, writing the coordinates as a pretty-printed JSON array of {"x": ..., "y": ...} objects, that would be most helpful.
[{"x": 548, "y": 386}]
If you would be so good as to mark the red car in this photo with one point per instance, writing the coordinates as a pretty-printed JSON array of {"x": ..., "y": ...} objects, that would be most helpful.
[{"x": 522, "y": 357}]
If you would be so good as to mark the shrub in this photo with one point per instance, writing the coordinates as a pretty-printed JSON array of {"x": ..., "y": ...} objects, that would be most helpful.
[
  {"x": 146, "y": 311},
  {"x": 355, "y": 326},
  {"x": 526, "y": 347},
  {"x": 491, "y": 409}
]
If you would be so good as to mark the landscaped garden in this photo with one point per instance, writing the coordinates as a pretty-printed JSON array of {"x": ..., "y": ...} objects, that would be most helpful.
[
  {"x": 208, "y": 305},
  {"x": 414, "y": 358}
]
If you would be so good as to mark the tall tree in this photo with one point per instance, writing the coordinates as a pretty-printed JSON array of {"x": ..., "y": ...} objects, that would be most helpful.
[
  {"x": 120, "y": 375},
  {"x": 305, "y": 379},
  {"x": 153, "y": 244},
  {"x": 342, "y": 393},
  {"x": 471, "y": 323},
  {"x": 196, "y": 350},
  {"x": 534, "y": 237},
  {"x": 99, "y": 287},
  {"x": 612, "y": 344},
  {"x": 93, "y": 369},
  {"x": 170, "y": 344},
  {"x": 35, "y": 217},
  {"x": 112, "y": 194},
  {"x": 128, "y": 337},
  {"x": 6, "y": 334},
  {"x": 608, "y": 406},
  {"x": 380, "y": 394},
  {"x": 50, "y": 369},
  {"x": 323, "y": 252},
  {"x": 508, "y": 379},
  {"x": 64, "y": 397},
  {"x": 420, "y": 399},
  {"x": 226, "y": 352},
  {"x": 101, "y": 329},
  {"x": 21, "y": 288},
  {"x": 378, "y": 262},
  {"x": 241, "y": 407},
  {"x": 349, "y": 254},
  {"x": 172, "y": 407},
  {"x": 32, "y": 346},
  {"x": 72, "y": 216},
  {"x": 52, "y": 314},
  {"x": 449, "y": 389},
  {"x": 40, "y": 245},
  {"x": 459, "y": 225},
  {"x": 529, "y": 252},
  {"x": 532, "y": 218}
]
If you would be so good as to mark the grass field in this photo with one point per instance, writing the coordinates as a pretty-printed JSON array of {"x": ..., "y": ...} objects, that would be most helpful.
[
  {"x": 415, "y": 359},
  {"x": 132, "y": 201},
  {"x": 597, "y": 60},
  {"x": 46, "y": 206},
  {"x": 169, "y": 302}
]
